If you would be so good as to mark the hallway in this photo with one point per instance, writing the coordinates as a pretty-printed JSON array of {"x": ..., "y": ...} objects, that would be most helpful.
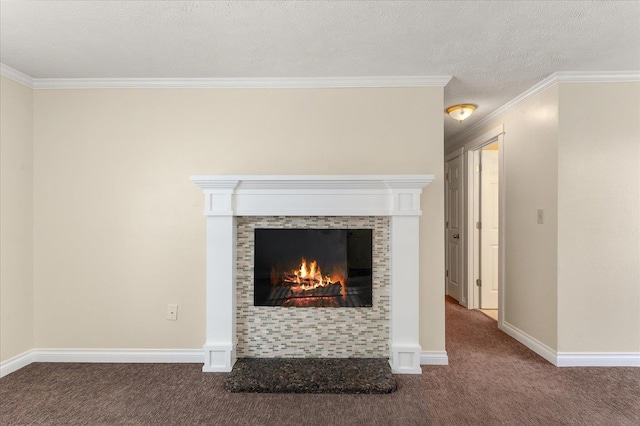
[{"x": 492, "y": 379}]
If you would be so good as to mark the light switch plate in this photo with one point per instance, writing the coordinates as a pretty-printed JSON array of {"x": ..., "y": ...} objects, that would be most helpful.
[{"x": 172, "y": 312}]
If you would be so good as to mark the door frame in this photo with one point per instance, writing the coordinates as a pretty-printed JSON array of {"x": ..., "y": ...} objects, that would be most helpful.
[
  {"x": 472, "y": 216},
  {"x": 452, "y": 155}
]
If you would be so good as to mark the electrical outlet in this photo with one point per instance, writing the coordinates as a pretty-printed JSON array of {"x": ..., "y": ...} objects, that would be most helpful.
[
  {"x": 172, "y": 312},
  {"x": 540, "y": 216}
]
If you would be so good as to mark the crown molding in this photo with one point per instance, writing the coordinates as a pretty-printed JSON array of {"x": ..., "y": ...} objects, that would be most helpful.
[
  {"x": 558, "y": 77},
  {"x": 597, "y": 76},
  {"x": 225, "y": 83},
  {"x": 16, "y": 75},
  {"x": 242, "y": 83}
]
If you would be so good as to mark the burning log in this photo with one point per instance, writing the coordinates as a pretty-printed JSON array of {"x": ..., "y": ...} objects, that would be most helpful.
[
  {"x": 329, "y": 290},
  {"x": 284, "y": 293},
  {"x": 295, "y": 280},
  {"x": 307, "y": 282}
]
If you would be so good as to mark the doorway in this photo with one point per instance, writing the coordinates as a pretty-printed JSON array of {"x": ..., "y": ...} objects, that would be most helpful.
[
  {"x": 489, "y": 227},
  {"x": 485, "y": 210},
  {"x": 454, "y": 226}
]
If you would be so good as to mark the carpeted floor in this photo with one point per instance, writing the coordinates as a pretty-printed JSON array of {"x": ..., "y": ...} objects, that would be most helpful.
[{"x": 491, "y": 380}]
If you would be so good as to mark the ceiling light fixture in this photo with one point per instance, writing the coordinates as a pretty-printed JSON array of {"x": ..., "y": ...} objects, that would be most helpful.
[{"x": 460, "y": 112}]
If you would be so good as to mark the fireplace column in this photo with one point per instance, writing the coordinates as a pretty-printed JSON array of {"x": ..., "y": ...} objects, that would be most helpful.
[
  {"x": 220, "y": 346},
  {"x": 404, "y": 332}
]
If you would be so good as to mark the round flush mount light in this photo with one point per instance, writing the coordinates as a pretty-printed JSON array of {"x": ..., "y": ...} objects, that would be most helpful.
[{"x": 460, "y": 112}]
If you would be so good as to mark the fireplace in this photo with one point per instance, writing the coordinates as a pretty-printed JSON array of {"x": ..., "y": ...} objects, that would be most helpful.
[
  {"x": 313, "y": 332},
  {"x": 229, "y": 200},
  {"x": 313, "y": 268}
]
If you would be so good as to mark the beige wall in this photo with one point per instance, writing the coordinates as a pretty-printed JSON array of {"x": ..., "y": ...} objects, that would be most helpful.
[
  {"x": 16, "y": 219},
  {"x": 599, "y": 218},
  {"x": 530, "y": 176},
  {"x": 118, "y": 228}
]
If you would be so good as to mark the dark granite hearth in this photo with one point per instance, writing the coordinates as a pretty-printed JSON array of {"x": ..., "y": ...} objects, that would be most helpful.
[{"x": 311, "y": 375}]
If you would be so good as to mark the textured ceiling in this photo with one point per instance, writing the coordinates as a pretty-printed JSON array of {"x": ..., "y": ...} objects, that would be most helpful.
[{"x": 494, "y": 50}]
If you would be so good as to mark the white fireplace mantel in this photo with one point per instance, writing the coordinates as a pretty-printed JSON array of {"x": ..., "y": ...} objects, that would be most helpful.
[{"x": 397, "y": 196}]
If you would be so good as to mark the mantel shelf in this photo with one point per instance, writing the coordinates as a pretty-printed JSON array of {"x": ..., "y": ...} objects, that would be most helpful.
[{"x": 338, "y": 195}]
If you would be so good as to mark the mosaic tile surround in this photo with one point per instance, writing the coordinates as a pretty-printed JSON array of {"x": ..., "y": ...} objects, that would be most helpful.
[{"x": 266, "y": 332}]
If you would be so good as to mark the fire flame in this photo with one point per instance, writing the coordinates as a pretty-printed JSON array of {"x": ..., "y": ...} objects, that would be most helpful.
[{"x": 308, "y": 276}]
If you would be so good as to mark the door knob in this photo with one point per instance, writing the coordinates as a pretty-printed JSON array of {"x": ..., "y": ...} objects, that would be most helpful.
[{"x": 456, "y": 236}]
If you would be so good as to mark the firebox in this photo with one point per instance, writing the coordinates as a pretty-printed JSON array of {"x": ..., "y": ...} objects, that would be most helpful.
[{"x": 313, "y": 267}]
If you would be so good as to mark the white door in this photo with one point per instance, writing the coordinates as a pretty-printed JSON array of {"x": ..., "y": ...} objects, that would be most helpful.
[
  {"x": 454, "y": 218},
  {"x": 489, "y": 237}
]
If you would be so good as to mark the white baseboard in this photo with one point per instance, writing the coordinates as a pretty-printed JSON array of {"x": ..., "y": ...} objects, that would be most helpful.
[
  {"x": 120, "y": 355},
  {"x": 16, "y": 363},
  {"x": 572, "y": 359},
  {"x": 598, "y": 359},
  {"x": 195, "y": 356},
  {"x": 434, "y": 358},
  {"x": 532, "y": 343}
]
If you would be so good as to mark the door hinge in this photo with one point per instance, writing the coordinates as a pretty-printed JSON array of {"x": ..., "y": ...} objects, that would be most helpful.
[
  {"x": 478, "y": 225},
  {"x": 447, "y": 226},
  {"x": 479, "y": 168},
  {"x": 447, "y": 273},
  {"x": 479, "y": 282},
  {"x": 447, "y": 176}
]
